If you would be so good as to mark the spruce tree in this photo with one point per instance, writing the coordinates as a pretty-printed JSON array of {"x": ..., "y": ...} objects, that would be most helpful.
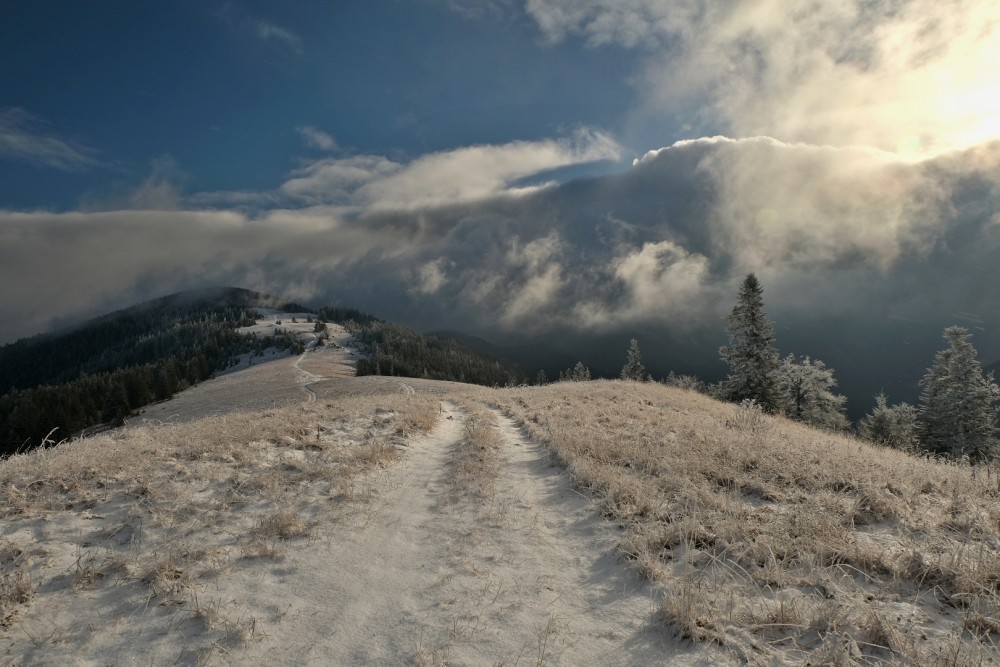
[
  {"x": 751, "y": 355},
  {"x": 893, "y": 425},
  {"x": 807, "y": 393},
  {"x": 957, "y": 406},
  {"x": 578, "y": 373},
  {"x": 633, "y": 368}
]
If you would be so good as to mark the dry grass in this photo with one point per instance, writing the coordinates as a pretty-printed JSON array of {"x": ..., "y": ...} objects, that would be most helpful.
[
  {"x": 150, "y": 515},
  {"x": 476, "y": 463},
  {"x": 16, "y": 586},
  {"x": 775, "y": 540}
]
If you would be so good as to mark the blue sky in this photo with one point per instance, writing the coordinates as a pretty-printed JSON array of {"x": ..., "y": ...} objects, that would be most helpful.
[{"x": 225, "y": 89}]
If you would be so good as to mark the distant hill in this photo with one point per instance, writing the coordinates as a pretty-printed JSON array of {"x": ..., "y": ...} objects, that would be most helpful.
[{"x": 105, "y": 369}]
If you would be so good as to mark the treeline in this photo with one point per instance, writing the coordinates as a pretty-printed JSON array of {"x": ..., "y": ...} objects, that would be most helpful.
[
  {"x": 956, "y": 417},
  {"x": 105, "y": 370},
  {"x": 27, "y": 416},
  {"x": 395, "y": 350}
]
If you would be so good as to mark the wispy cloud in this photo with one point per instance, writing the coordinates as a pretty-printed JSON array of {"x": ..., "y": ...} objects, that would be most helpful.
[
  {"x": 315, "y": 138},
  {"x": 260, "y": 29},
  {"x": 443, "y": 178},
  {"x": 269, "y": 32},
  {"x": 22, "y": 138}
]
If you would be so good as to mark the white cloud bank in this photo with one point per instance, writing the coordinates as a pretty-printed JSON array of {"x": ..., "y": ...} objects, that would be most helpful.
[{"x": 664, "y": 243}]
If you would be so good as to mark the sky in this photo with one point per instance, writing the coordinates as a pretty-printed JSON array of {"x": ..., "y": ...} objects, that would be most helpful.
[{"x": 512, "y": 168}]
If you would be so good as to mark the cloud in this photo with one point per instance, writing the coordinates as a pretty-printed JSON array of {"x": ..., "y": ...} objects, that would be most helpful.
[
  {"x": 337, "y": 180},
  {"x": 97, "y": 258},
  {"x": 431, "y": 276},
  {"x": 315, "y": 138},
  {"x": 535, "y": 279},
  {"x": 161, "y": 190},
  {"x": 22, "y": 139},
  {"x": 912, "y": 76},
  {"x": 443, "y": 178},
  {"x": 799, "y": 206},
  {"x": 865, "y": 256},
  {"x": 269, "y": 32},
  {"x": 237, "y": 19},
  {"x": 658, "y": 281},
  {"x": 662, "y": 243},
  {"x": 483, "y": 9}
]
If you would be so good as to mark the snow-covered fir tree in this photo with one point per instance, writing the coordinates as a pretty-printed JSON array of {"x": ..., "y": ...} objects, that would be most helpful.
[
  {"x": 751, "y": 355},
  {"x": 578, "y": 373},
  {"x": 957, "y": 410},
  {"x": 893, "y": 425},
  {"x": 807, "y": 393},
  {"x": 633, "y": 368}
]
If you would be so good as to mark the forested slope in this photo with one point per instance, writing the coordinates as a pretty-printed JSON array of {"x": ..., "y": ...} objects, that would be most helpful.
[
  {"x": 103, "y": 370},
  {"x": 107, "y": 368}
]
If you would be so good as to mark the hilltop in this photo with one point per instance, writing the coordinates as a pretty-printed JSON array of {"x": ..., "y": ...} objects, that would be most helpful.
[{"x": 387, "y": 520}]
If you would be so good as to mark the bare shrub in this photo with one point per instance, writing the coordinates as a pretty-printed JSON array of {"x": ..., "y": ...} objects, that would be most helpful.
[
  {"x": 16, "y": 589},
  {"x": 282, "y": 524}
]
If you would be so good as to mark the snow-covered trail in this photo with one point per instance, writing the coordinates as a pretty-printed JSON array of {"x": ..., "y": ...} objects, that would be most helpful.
[{"x": 423, "y": 577}]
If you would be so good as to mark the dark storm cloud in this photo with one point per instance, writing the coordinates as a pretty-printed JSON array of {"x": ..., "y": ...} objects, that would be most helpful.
[{"x": 859, "y": 252}]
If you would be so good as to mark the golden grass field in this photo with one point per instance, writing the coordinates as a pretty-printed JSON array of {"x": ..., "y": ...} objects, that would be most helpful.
[{"x": 762, "y": 541}]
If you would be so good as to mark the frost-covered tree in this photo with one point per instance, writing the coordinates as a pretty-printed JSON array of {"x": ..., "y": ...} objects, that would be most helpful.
[
  {"x": 957, "y": 410},
  {"x": 578, "y": 373},
  {"x": 541, "y": 378},
  {"x": 633, "y": 368},
  {"x": 893, "y": 425},
  {"x": 751, "y": 355},
  {"x": 806, "y": 388},
  {"x": 685, "y": 382}
]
